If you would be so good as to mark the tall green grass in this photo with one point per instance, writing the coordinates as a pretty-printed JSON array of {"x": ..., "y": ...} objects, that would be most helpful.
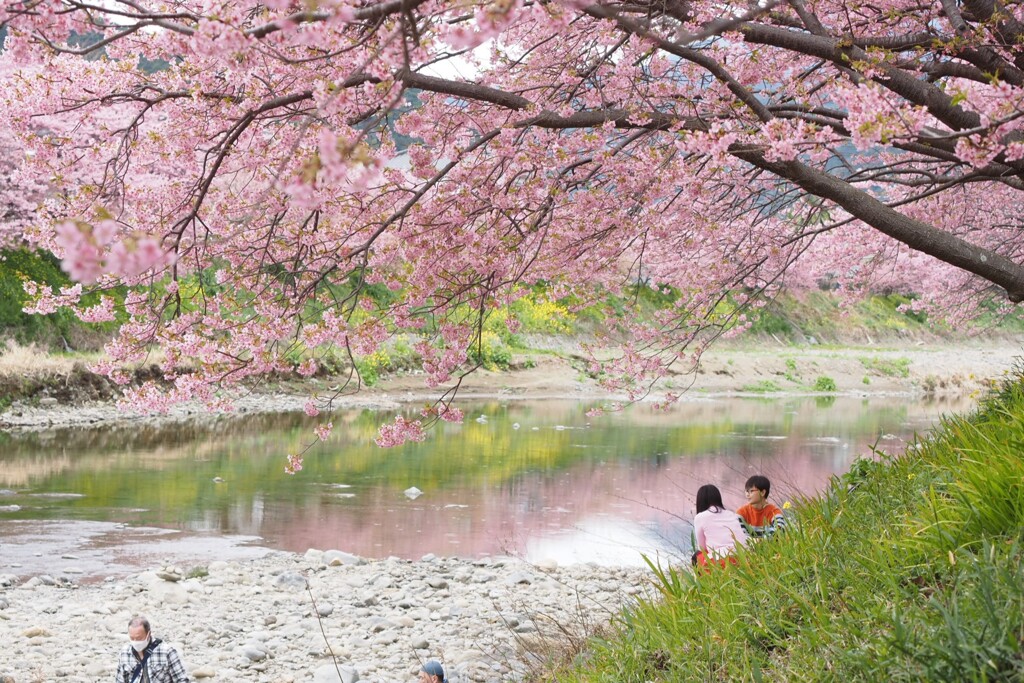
[{"x": 908, "y": 568}]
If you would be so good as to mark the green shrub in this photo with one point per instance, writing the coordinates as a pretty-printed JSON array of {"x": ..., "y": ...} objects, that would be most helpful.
[
  {"x": 197, "y": 572},
  {"x": 770, "y": 323},
  {"x": 897, "y": 367},
  {"x": 57, "y": 331},
  {"x": 16, "y": 265},
  {"x": 765, "y": 386},
  {"x": 863, "y": 470},
  {"x": 491, "y": 352},
  {"x": 402, "y": 356},
  {"x": 881, "y": 312},
  {"x": 791, "y": 374},
  {"x": 370, "y": 367},
  {"x": 538, "y": 314},
  {"x": 825, "y": 384}
]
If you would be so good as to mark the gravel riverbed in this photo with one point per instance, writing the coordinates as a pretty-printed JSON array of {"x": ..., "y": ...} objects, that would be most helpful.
[{"x": 278, "y": 618}]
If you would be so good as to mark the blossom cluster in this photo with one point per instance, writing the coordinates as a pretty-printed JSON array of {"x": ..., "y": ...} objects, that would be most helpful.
[
  {"x": 91, "y": 250},
  {"x": 274, "y": 184},
  {"x": 399, "y": 432}
]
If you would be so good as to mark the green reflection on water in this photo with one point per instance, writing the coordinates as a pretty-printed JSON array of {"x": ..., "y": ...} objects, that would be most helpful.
[{"x": 166, "y": 475}]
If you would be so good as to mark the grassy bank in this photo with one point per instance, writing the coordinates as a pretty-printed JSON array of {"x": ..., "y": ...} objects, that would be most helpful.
[{"x": 908, "y": 568}]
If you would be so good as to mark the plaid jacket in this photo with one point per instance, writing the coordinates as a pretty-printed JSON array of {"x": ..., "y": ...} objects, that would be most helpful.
[{"x": 163, "y": 666}]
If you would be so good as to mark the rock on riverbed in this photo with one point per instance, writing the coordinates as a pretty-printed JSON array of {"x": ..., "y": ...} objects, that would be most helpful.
[{"x": 257, "y": 620}]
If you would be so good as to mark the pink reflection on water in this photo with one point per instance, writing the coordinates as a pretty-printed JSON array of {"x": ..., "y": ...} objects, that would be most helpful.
[
  {"x": 605, "y": 507},
  {"x": 606, "y": 512}
]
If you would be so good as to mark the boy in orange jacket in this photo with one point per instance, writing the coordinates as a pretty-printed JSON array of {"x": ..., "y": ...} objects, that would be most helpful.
[{"x": 761, "y": 518}]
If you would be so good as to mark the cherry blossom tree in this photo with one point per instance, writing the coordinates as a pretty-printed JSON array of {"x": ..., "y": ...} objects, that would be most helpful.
[
  {"x": 259, "y": 190},
  {"x": 19, "y": 196},
  {"x": 20, "y": 192}
]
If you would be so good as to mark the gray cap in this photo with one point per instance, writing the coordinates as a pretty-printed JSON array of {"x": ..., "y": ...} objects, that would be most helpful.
[{"x": 433, "y": 668}]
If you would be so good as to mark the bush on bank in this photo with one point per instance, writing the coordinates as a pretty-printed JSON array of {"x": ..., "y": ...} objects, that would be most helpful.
[
  {"x": 16, "y": 265},
  {"x": 60, "y": 331},
  {"x": 908, "y": 568}
]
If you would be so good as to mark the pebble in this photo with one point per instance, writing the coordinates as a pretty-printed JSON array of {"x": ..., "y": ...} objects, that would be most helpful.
[{"x": 254, "y": 620}]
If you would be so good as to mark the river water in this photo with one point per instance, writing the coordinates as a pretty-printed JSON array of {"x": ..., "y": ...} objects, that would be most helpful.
[{"x": 538, "y": 479}]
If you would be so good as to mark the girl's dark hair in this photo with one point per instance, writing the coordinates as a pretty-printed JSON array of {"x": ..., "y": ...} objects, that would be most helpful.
[{"x": 709, "y": 498}]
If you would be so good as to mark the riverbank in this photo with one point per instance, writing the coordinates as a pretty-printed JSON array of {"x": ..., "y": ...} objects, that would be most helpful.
[
  {"x": 488, "y": 620},
  {"x": 908, "y": 568},
  {"x": 253, "y": 621},
  {"x": 65, "y": 393}
]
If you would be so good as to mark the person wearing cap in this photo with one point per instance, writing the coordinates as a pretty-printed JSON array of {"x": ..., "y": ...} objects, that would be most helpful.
[{"x": 432, "y": 672}]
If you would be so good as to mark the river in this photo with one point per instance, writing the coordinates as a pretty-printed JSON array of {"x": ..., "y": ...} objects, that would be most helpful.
[{"x": 538, "y": 479}]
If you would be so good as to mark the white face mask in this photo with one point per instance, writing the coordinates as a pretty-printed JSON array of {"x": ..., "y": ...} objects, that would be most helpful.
[{"x": 140, "y": 645}]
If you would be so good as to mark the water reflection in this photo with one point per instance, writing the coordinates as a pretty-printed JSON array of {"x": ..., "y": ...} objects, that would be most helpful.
[{"x": 560, "y": 485}]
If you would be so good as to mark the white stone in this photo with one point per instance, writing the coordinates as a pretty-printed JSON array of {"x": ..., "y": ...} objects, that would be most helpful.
[
  {"x": 253, "y": 653},
  {"x": 328, "y": 673},
  {"x": 547, "y": 564},
  {"x": 336, "y": 558},
  {"x": 291, "y": 580}
]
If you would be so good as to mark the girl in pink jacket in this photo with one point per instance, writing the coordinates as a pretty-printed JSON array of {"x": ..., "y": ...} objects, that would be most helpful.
[{"x": 718, "y": 531}]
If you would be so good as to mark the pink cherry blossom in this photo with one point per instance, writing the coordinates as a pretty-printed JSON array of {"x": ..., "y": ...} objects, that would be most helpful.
[
  {"x": 323, "y": 432},
  {"x": 399, "y": 432},
  {"x": 294, "y": 464},
  {"x": 296, "y": 187}
]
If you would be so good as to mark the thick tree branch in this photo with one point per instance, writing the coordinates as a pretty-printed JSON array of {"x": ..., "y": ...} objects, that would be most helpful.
[
  {"x": 915, "y": 234},
  {"x": 939, "y": 104}
]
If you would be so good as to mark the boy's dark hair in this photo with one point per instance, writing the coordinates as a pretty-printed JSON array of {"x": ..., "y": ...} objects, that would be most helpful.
[{"x": 760, "y": 483}]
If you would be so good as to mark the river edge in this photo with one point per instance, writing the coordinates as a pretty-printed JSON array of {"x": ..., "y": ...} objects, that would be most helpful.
[
  {"x": 766, "y": 371},
  {"x": 489, "y": 619},
  {"x": 244, "y": 622}
]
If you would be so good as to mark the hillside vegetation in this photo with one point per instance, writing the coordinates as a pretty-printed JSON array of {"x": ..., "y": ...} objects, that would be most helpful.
[
  {"x": 817, "y": 316},
  {"x": 908, "y": 568},
  {"x": 49, "y": 356}
]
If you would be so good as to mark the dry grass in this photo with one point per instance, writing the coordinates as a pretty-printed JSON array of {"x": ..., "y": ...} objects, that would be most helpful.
[
  {"x": 33, "y": 361},
  {"x": 560, "y": 640},
  {"x": 17, "y": 360}
]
